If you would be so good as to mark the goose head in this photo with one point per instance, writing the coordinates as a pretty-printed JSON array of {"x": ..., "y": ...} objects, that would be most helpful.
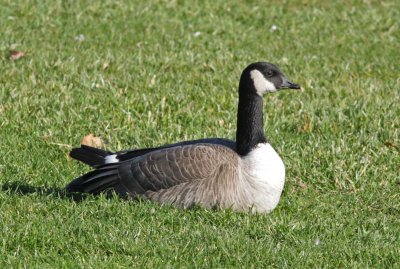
[{"x": 262, "y": 77}]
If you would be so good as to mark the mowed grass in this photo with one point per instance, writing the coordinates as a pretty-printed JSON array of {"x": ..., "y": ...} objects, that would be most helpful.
[{"x": 146, "y": 73}]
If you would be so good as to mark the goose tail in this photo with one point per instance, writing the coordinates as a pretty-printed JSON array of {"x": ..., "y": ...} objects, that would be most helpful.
[
  {"x": 96, "y": 181},
  {"x": 92, "y": 156}
]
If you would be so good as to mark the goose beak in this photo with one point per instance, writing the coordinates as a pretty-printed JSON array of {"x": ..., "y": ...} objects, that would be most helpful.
[{"x": 287, "y": 84}]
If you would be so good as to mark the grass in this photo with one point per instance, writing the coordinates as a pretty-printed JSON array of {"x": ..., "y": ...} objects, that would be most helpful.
[{"x": 147, "y": 73}]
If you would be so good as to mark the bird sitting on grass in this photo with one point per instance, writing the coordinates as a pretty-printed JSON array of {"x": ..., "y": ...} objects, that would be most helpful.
[{"x": 244, "y": 175}]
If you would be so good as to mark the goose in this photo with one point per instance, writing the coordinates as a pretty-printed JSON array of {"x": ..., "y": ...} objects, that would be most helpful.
[{"x": 246, "y": 175}]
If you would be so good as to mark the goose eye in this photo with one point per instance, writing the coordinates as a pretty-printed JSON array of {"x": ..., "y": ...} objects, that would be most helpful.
[{"x": 270, "y": 73}]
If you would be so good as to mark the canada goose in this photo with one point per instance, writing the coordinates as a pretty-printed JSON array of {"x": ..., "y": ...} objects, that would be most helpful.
[{"x": 245, "y": 175}]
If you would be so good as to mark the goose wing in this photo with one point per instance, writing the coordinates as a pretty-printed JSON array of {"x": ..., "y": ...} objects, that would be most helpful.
[
  {"x": 98, "y": 157},
  {"x": 203, "y": 174},
  {"x": 129, "y": 154},
  {"x": 166, "y": 168}
]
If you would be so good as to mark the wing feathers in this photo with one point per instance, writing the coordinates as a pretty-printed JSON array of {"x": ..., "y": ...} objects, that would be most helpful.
[
  {"x": 185, "y": 175},
  {"x": 95, "y": 181},
  {"x": 101, "y": 184},
  {"x": 181, "y": 175},
  {"x": 97, "y": 157},
  {"x": 128, "y": 179}
]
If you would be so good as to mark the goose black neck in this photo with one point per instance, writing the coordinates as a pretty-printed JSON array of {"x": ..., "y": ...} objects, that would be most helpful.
[{"x": 250, "y": 130}]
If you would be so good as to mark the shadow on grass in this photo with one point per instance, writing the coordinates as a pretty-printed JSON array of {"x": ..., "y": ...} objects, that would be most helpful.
[{"x": 20, "y": 188}]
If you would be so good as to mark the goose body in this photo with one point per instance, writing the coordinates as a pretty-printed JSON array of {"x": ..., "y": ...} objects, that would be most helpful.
[{"x": 244, "y": 175}]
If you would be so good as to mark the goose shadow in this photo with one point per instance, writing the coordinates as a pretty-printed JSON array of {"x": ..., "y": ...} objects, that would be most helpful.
[{"x": 21, "y": 188}]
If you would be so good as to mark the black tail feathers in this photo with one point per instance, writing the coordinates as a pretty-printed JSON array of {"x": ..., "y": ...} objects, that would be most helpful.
[
  {"x": 96, "y": 181},
  {"x": 92, "y": 156}
]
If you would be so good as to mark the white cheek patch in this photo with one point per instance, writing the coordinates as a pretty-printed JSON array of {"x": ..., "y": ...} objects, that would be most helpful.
[{"x": 261, "y": 84}]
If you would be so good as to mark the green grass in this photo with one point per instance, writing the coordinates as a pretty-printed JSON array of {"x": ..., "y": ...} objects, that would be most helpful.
[{"x": 339, "y": 138}]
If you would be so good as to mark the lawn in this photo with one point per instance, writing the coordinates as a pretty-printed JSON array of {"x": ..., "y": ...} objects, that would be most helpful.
[{"x": 146, "y": 73}]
